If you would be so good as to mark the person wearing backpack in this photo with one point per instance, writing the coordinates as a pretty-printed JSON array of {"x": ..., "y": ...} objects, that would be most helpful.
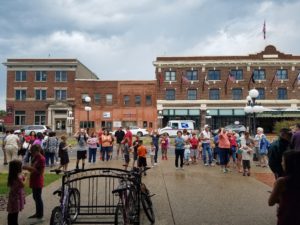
[
  {"x": 81, "y": 137},
  {"x": 276, "y": 150},
  {"x": 264, "y": 145}
]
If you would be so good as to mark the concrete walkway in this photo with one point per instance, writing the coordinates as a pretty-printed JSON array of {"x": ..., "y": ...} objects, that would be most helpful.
[{"x": 196, "y": 195}]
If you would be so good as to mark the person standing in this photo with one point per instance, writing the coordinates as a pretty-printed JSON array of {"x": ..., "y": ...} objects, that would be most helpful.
[
  {"x": 295, "y": 142},
  {"x": 3, "y": 148},
  {"x": 179, "y": 149},
  {"x": 194, "y": 141},
  {"x": 152, "y": 153},
  {"x": 155, "y": 140},
  {"x": 36, "y": 181},
  {"x": 92, "y": 145},
  {"x": 224, "y": 148},
  {"x": 142, "y": 154},
  {"x": 119, "y": 134},
  {"x": 12, "y": 145},
  {"x": 164, "y": 146},
  {"x": 205, "y": 138},
  {"x": 63, "y": 153},
  {"x": 106, "y": 140},
  {"x": 276, "y": 150},
  {"x": 16, "y": 196},
  {"x": 81, "y": 137},
  {"x": 51, "y": 148}
]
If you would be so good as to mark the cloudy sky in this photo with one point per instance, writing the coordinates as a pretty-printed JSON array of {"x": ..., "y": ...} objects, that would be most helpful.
[{"x": 119, "y": 39}]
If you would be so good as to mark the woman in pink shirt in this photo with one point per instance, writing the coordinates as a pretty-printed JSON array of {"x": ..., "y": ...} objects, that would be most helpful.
[
  {"x": 92, "y": 144},
  {"x": 224, "y": 146}
]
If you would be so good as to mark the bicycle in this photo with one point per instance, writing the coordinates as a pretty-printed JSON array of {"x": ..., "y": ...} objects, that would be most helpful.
[
  {"x": 69, "y": 207},
  {"x": 130, "y": 191}
]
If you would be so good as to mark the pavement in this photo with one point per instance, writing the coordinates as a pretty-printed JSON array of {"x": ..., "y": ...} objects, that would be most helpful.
[{"x": 196, "y": 195}]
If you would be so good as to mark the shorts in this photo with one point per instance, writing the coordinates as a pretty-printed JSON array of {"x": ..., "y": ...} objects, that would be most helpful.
[
  {"x": 126, "y": 158},
  {"x": 246, "y": 164},
  {"x": 81, "y": 154},
  {"x": 194, "y": 152},
  {"x": 142, "y": 162}
]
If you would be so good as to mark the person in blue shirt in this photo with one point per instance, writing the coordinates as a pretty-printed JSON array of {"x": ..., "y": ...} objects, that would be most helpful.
[
  {"x": 155, "y": 140},
  {"x": 179, "y": 149}
]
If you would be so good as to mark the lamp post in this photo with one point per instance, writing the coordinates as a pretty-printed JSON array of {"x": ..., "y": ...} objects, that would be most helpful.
[
  {"x": 160, "y": 118},
  {"x": 70, "y": 119},
  {"x": 87, "y": 108},
  {"x": 253, "y": 108},
  {"x": 208, "y": 117}
]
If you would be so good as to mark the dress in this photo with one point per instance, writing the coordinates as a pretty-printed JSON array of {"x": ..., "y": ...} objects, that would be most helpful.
[
  {"x": 16, "y": 197},
  {"x": 63, "y": 154}
]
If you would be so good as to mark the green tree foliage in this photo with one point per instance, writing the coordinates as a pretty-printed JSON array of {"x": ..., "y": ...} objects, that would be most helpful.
[{"x": 285, "y": 124}]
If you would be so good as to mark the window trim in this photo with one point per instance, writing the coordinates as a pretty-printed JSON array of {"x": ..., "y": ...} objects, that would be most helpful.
[
  {"x": 40, "y": 90},
  {"x": 20, "y": 95},
  {"x": 170, "y": 76},
  {"x": 240, "y": 97},
  {"x": 21, "y": 76},
  {"x": 189, "y": 90},
  {"x": 174, "y": 91},
  {"x": 61, "y": 72},
  {"x": 210, "y": 93},
  {"x": 192, "y": 75},
  {"x": 214, "y": 71},
  {"x": 60, "y": 99},
  {"x": 41, "y": 75}
]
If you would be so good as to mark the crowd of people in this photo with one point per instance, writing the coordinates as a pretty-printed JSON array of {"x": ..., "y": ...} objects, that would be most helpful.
[{"x": 36, "y": 151}]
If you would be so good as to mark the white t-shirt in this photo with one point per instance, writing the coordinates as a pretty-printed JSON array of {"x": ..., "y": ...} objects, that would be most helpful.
[
  {"x": 245, "y": 154},
  {"x": 206, "y": 134},
  {"x": 152, "y": 150},
  {"x": 12, "y": 139}
]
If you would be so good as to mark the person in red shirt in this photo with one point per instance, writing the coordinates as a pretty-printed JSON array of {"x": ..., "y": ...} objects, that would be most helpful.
[
  {"x": 100, "y": 141},
  {"x": 128, "y": 136},
  {"x": 142, "y": 154},
  {"x": 233, "y": 147},
  {"x": 194, "y": 141},
  {"x": 36, "y": 181}
]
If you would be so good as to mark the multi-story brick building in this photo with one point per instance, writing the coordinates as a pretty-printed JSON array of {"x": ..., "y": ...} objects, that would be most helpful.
[
  {"x": 190, "y": 87},
  {"x": 46, "y": 91}
]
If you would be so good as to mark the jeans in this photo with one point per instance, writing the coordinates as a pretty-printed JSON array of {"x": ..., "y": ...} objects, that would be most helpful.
[
  {"x": 233, "y": 152},
  {"x": 206, "y": 148},
  {"x": 224, "y": 156},
  {"x": 179, "y": 153},
  {"x": 39, "y": 206},
  {"x": 156, "y": 153},
  {"x": 105, "y": 153},
  {"x": 49, "y": 157},
  {"x": 92, "y": 154}
]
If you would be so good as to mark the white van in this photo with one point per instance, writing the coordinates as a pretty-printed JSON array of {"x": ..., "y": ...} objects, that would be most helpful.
[{"x": 176, "y": 125}]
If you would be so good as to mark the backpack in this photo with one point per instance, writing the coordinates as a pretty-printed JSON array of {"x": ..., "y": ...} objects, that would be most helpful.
[
  {"x": 52, "y": 144},
  {"x": 264, "y": 145}
]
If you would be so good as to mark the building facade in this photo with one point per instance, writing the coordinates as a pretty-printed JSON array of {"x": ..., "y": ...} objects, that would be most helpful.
[
  {"x": 213, "y": 89},
  {"x": 52, "y": 92}
]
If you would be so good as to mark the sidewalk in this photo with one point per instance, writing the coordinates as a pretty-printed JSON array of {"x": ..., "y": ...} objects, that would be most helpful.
[{"x": 196, "y": 195}]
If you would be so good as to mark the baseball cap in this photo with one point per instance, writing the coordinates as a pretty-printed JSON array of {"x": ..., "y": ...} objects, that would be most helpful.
[{"x": 206, "y": 125}]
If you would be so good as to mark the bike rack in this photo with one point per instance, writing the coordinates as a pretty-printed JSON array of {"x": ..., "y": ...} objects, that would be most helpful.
[{"x": 97, "y": 203}]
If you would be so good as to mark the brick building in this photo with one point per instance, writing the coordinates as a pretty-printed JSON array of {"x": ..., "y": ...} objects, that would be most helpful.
[
  {"x": 52, "y": 92},
  {"x": 195, "y": 87}
]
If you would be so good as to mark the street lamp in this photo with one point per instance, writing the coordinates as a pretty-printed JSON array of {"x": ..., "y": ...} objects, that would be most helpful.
[
  {"x": 160, "y": 117},
  {"x": 208, "y": 117},
  {"x": 70, "y": 119},
  {"x": 87, "y": 108},
  {"x": 253, "y": 107}
]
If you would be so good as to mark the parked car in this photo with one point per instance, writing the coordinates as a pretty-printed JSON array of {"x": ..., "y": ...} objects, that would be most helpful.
[
  {"x": 135, "y": 131},
  {"x": 237, "y": 128},
  {"x": 35, "y": 128}
]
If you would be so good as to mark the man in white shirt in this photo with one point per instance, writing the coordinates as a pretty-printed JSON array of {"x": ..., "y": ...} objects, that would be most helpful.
[
  {"x": 11, "y": 144},
  {"x": 205, "y": 137}
]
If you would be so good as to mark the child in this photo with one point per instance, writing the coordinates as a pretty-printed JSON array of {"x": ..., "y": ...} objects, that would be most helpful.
[
  {"x": 152, "y": 153},
  {"x": 63, "y": 153},
  {"x": 142, "y": 154},
  {"x": 194, "y": 147},
  {"x": 16, "y": 199},
  {"x": 187, "y": 152},
  {"x": 126, "y": 151},
  {"x": 164, "y": 146},
  {"x": 135, "y": 149},
  {"x": 246, "y": 157}
]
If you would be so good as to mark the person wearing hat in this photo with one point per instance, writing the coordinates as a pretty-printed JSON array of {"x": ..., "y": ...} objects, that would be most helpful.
[{"x": 205, "y": 137}]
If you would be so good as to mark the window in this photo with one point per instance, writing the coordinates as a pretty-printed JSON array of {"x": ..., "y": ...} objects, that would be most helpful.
[
  {"x": 19, "y": 117},
  {"x": 282, "y": 93},
  {"x": 97, "y": 99},
  {"x": 170, "y": 94},
  {"x": 259, "y": 74},
  {"x": 148, "y": 100},
  {"x": 238, "y": 74},
  {"x": 214, "y": 94},
  {"x": 61, "y": 76},
  {"x": 40, "y": 76},
  {"x": 192, "y": 94},
  {"x": 40, "y": 118},
  {"x": 109, "y": 99},
  {"x": 214, "y": 75},
  {"x": 60, "y": 94},
  {"x": 137, "y": 100},
  {"x": 261, "y": 92},
  {"x": 20, "y": 95},
  {"x": 87, "y": 124},
  {"x": 170, "y": 75},
  {"x": 21, "y": 75},
  {"x": 40, "y": 94},
  {"x": 237, "y": 93},
  {"x": 282, "y": 74},
  {"x": 192, "y": 75},
  {"x": 126, "y": 100}
]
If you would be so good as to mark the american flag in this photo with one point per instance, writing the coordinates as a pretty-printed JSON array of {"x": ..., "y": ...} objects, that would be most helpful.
[
  {"x": 184, "y": 79},
  {"x": 231, "y": 77},
  {"x": 264, "y": 30},
  {"x": 298, "y": 78}
]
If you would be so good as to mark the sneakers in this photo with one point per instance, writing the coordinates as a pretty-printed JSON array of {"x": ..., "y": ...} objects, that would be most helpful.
[
  {"x": 177, "y": 168},
  {"x": 206, "y": 164},
  {"x": 155, "y": 164},
  {"x": 224, "y": 171},
  {"x": 212, "y": 164}
]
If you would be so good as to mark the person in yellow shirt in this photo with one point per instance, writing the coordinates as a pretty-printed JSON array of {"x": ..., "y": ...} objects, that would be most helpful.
[{"x": 142, "y": 155}]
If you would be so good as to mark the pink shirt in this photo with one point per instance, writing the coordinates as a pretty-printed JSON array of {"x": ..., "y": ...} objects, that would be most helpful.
[
  {"x": 223, "y": 141},
  {"x": 37, "y": 177},
  {"x": 16, "y": 198}
]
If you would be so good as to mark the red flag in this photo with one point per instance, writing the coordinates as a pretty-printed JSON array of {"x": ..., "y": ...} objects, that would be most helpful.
[
  {"x": 231, "y": 77},
  {"x": 264, "y": 30},
  {"x": 161, "y": 79}
]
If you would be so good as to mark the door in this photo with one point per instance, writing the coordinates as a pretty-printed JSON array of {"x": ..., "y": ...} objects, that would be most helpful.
[{"x": 60, "y": 124}]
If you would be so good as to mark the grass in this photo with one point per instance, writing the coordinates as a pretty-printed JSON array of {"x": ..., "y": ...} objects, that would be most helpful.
[{"x": 48, "y": 179}]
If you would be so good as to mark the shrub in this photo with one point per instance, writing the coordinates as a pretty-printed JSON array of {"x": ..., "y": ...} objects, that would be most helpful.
[{"x": 285, "y": 124}]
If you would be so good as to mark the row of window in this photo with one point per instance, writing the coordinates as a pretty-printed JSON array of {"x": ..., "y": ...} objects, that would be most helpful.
[
  {"x": 40, "y": 94},
  {"x": 60, "y": 76},
  {"x": 258, "y": 74},
  {"x": 39, "y": 117},
  {"x": 214, "y": 94}
]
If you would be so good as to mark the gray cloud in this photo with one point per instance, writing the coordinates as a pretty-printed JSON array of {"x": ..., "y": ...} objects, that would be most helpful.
[{"x": 120, "y": 39}]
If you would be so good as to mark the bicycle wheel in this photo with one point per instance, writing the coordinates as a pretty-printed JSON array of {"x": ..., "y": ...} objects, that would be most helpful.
[
  {"x": 120, "y": 216},
  {"x": 147, "y": 206},
  {"x": 57, "y": 217},
  {"x": 74, "y": 204}
]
